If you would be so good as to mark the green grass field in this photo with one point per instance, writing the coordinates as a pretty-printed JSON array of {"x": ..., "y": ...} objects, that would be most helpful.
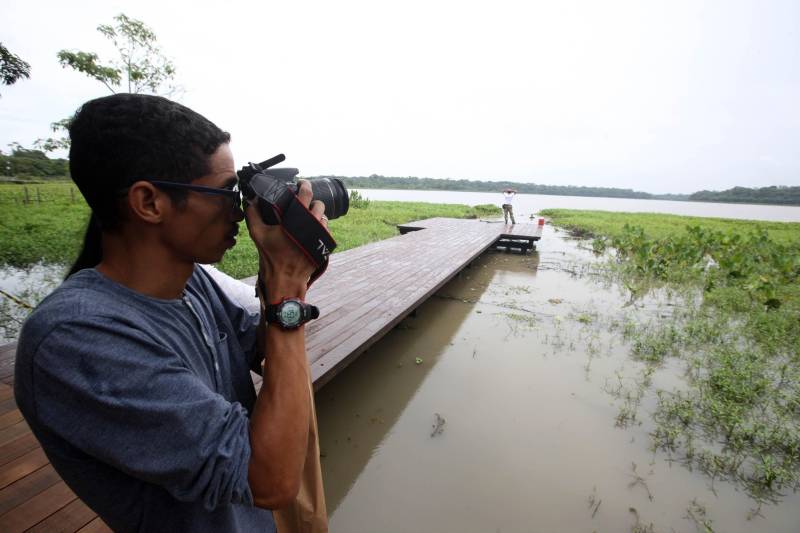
[
  {"x": 50, "y": 224},
  {"x": 49, "y": 227}
]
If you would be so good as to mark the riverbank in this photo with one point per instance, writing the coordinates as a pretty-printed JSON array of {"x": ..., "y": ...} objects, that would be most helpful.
[
  {"x": 732, "y": 328},
  {"x": 657, "y": 225},
  {"x": 526, "y": 205}
]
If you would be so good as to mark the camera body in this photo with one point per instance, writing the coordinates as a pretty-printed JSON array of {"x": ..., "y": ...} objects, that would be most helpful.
[
  {"x": 274, "y": 193},
  {"x": 273, "y": 189}
]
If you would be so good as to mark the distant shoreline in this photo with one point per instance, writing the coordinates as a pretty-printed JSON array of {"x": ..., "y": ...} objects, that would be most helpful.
[
  {"x": 435, "y": 184},
  {"x": 653, "y": 197}
]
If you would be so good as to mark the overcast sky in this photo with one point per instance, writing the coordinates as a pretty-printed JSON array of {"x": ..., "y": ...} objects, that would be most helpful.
[{"x": 673, "y": 96}]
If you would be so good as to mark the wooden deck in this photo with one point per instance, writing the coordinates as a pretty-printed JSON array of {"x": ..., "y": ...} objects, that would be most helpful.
[
  {"x": 365, "y": 293},
  {"x": 370, "y": 289}
]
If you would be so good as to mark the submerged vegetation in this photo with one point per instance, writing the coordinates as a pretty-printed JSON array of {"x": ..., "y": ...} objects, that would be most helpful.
[{"x": 736, "y": 332}]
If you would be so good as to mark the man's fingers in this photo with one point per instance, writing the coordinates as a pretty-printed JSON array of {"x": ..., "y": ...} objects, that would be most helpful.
[
  {"x": 256, "y": 226},
  {"x": 254, "y": 221},
  {"x": 317, "y": 209},
  {"x": 304, "y": 194}
]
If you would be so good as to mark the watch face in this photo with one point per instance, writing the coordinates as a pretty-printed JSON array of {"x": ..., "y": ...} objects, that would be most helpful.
[{"x": 290, "y": 313}]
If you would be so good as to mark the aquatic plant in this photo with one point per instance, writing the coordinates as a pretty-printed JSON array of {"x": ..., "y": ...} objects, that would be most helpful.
[{"x": 735, "y": 329}]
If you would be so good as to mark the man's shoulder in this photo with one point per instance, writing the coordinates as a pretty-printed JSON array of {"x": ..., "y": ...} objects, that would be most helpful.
[{"x": 84, "y": 298}]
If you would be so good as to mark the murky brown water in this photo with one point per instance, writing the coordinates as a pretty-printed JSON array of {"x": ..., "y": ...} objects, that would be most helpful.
[{"x": 518, "y": 357}]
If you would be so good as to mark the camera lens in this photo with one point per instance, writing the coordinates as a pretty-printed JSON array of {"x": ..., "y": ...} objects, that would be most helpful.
[{"x": 332, "y": 193}]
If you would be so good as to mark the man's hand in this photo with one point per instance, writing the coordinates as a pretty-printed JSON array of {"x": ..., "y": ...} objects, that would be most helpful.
[{"x": 283, "y": 266}]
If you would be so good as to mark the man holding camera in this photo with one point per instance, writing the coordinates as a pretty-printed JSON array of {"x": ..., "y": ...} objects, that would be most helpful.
[{"x": 134, "y": 373}]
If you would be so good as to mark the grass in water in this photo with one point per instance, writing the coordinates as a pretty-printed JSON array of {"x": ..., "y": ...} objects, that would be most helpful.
[{"x": 737, "y": 332}]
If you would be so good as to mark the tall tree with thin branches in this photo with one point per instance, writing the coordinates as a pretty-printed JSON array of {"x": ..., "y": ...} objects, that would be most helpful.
[
  {"x": 139, "y": 67},
  {"x": 12, "y": 67}
]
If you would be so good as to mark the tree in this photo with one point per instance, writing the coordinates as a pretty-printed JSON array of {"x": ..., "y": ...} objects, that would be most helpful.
[
  {"x": 12, "y": 68},
  {"x": 27, "y": 162},
  {"x": 140, "y": 67}
]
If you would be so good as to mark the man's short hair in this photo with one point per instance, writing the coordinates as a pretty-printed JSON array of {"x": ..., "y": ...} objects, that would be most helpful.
[{"x": 120, "y": 139}]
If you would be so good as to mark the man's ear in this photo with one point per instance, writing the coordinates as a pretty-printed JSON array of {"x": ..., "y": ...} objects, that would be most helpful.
[{"x": 147, "y": 203}]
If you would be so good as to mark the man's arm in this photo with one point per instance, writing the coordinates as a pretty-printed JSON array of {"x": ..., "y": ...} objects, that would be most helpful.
[{"x": 280, "y": 420}]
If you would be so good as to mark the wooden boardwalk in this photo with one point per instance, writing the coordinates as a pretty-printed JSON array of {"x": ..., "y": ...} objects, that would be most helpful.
[
  {"x": 365, "y": 293},
  {"x": 370, "y": 289}
]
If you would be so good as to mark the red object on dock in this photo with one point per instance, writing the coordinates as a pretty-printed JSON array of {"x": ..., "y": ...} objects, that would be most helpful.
[{"x": 541, "y": 221}]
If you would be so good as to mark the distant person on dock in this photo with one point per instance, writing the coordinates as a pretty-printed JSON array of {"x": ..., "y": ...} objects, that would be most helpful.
[
  {"x": 135, "y": 373},
  {"x": 508, "y": 208}
]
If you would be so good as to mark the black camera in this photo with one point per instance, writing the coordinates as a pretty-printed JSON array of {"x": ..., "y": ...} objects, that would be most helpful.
[
  {"x": 274, "y": 193},
  {"x": 275, "y": 189}
]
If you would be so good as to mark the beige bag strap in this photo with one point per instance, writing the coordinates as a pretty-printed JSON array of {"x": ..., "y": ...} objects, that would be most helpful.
[{"x": 308, "y": 513}]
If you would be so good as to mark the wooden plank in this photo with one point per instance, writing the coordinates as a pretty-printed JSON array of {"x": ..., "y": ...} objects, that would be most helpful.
[
  {"x": 348, "y": 313},
  {"x": 12, "y": 432},
  {"x": 10, "y": 418},
  {"x": 408, "y": 272},
  {"x": 37, "y": 508},
  {"x": 351, "y": 322},
  {"x": 70, "y": 518},
  {"x": 7, "y": 405},
  {"x": 22, "y": 466},
  {"x": 17, "y": 447},
  {"x": 7, "y": 356},
  {"x": 6, "y": 391},
  {"x": 26, "y": 488},
  {"x": 95, "y": 526},
  {"x": 428, "y": 277}
]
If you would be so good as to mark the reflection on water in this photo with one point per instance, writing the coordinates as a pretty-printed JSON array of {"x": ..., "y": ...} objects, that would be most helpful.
[
  {"x": 528, "y": 204},
  {"x": 517, "y": 357},
  {"x": 21, "y": 288}
]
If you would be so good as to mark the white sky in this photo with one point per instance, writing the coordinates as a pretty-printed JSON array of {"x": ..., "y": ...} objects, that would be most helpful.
[{"x": 672, "y": 96}]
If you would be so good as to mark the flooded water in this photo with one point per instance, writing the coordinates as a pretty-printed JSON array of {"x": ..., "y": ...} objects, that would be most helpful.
[
  {"x": 528, "y": 204},
  {"x": 28, "y": 286},
  {"x": 490, "y": 411}
]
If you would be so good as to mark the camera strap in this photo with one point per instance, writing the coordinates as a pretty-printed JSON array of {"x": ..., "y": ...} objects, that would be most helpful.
[{"x": 302, "y": 227}]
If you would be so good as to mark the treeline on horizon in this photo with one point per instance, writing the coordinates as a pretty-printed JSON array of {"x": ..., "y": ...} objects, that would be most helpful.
[
  {"x": 776, "y": 194},
  {"x": 383, "y": 182},
  {"x": 27, "y": 163},
  {"x": 779, "y": 195}
]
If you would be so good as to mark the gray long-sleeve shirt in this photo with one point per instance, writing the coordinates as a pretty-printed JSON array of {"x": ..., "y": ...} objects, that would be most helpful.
[{"x": 142, "y": 405}]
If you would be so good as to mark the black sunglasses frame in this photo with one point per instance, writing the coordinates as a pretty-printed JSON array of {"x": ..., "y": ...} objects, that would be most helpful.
[{"x": 234, "y": 194}]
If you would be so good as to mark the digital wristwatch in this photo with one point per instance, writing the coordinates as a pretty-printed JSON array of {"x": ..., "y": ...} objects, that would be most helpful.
[{"x": 290, "y": 313}]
